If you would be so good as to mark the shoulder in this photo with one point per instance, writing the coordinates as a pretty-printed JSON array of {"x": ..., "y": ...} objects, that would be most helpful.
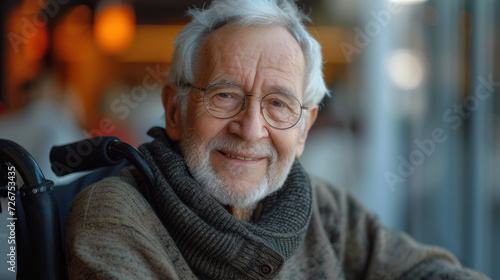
[
  {"x": 327, "y": 195},
  {"x": 111, "y": 200},
  {"x": 112, "y": 232},
  {"x": 338, "y": 211},
  {"x": 324, "y": 190}
]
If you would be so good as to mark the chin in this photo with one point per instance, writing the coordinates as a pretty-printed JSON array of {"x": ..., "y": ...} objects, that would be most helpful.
[{"x": 239, "y": 193}]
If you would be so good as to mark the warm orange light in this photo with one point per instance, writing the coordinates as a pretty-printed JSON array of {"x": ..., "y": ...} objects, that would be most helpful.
[
  {"x": 37, "y": 46},
  {"x": 73, "y": 36},
  {"x": 30, "y": 7},
  {"x": 78, "y": 20},
  {"x": 114, "y": 27}
]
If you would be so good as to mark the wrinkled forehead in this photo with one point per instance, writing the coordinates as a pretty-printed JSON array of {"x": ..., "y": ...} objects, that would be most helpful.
[{"x": 241, "y": 53}]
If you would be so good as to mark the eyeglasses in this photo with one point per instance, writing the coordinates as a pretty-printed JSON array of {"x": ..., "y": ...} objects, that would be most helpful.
[{"x": 224, "y": 101}]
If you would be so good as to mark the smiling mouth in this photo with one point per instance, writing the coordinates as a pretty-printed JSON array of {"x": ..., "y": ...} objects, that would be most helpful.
[{"x": 238, "y": 157}]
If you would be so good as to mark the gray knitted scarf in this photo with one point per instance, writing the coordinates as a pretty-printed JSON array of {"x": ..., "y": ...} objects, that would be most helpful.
[{"x": 215, "y": 244}]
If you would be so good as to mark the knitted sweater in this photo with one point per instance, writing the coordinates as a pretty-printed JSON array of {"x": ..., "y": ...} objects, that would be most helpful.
[{"x": 113, "y": 233}]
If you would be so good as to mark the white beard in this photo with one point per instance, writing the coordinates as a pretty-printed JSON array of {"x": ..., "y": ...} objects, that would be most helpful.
[{"x": 200, "y": 166}]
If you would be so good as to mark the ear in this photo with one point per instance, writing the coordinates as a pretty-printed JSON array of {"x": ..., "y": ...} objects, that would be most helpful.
[
  {"x": 173, "y": 115},
  {"x": 310, "y": 119}
]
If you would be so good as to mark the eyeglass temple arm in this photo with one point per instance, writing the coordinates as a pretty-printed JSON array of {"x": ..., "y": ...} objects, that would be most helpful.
[{"x": 190, "y": 85}]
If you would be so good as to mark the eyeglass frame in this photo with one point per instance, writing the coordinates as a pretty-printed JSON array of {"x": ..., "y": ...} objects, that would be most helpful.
[{"x": 204, "y": 90}]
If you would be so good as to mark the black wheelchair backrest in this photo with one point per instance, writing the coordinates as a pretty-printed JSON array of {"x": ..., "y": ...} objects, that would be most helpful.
[{"x": 42, "y": 208}]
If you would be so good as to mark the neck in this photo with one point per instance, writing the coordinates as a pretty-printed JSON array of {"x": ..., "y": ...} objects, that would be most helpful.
[{"x": 244, "y": 214}]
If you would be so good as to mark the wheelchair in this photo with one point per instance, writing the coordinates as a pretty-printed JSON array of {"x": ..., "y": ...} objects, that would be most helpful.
[{"x": 39, "y": 209}]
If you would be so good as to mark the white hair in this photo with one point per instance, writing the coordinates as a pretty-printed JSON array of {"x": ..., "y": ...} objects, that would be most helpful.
[{"x": 245, "y": 13}]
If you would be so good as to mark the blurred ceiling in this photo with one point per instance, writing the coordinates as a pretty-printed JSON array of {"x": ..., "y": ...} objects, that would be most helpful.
[
  {"x": 147, "y": 11},
  {"x": 173, "y": 11}
]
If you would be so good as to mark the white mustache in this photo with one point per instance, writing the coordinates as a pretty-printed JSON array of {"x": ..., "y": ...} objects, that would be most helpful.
[{"x": 257, "y": 149}]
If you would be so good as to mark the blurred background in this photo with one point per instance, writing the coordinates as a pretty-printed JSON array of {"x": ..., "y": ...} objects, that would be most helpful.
[{"x": 412, "y": 127}]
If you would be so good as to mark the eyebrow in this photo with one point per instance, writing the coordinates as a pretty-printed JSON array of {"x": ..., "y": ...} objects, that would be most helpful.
[
  {"x": 266, "y": 89},
  {"x": 224, "y": 81},
  {"x": 272, "y": 89}
]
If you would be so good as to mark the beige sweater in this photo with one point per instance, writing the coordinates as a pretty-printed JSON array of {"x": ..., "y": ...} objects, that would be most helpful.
[{"x": 113, "y": 233}]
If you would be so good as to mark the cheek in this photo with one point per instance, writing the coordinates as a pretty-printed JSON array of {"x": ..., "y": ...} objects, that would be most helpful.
[
  {"x": 196, "y": 115},
  {"x": 196, "y": 111},
  {"x": 285, "y": 141},
  {"x": 209, "y": 128},
  {"x": 205, "y": 125}
]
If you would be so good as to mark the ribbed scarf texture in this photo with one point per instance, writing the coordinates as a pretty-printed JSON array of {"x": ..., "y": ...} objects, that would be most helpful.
[{"x": 215, "y": 244}]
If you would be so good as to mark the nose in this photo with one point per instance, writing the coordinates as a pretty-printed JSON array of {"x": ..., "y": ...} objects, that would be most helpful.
[{"x": 249, "y": 124}]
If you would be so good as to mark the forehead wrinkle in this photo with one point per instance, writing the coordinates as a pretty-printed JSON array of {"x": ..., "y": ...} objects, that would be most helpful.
[
  {"x": 287, "y": 82},
  {"x": 247, "y": 64},
  {"x": 282, "y": 78},
  {"x": 234, "y": 70},
  {"x": 223, "y": 66}
]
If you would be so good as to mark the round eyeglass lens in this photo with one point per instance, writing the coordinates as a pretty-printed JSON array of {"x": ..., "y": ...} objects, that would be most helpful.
[
  {"x": 223, "y": 100},
  {"x": 281, "y": 110}
]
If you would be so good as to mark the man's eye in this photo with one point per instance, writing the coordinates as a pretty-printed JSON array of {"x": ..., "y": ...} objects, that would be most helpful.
[
  {"x": 224, "y": 95},
  {"x": 277, "y": 103}
]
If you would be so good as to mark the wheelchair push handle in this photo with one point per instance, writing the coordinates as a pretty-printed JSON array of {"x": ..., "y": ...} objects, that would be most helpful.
[
  {"x": 99, "y": 152},
  {"x": 25, "y": 164},
  {"x": 84, "y": 155}
]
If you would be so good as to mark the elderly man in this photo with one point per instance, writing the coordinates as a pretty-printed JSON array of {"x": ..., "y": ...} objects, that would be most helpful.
[{"x": 230, "y": 200}]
